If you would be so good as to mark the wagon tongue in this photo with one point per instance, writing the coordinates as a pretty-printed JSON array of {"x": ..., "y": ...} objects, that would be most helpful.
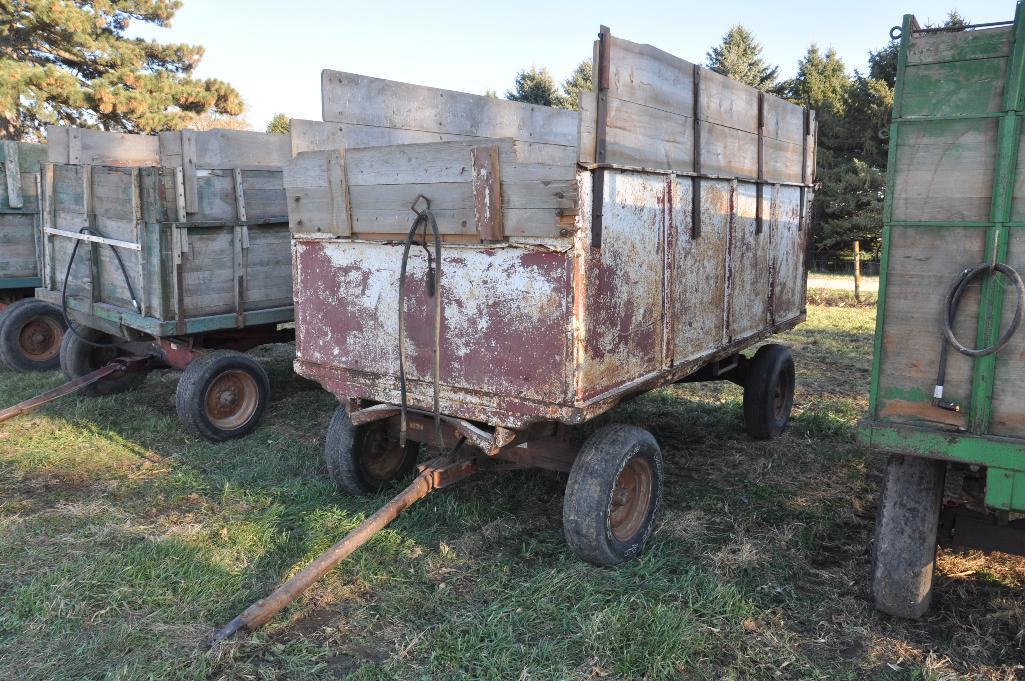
[
  {"x": 118, "y": 365},
  {"x": 435, "y": 474}
]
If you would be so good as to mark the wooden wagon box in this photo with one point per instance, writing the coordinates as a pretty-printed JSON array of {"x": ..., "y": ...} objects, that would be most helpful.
[
  {"x": 587, "y": 255},
  {"x": 179, "y": 233},
  {"x": 20, "y": 261}
]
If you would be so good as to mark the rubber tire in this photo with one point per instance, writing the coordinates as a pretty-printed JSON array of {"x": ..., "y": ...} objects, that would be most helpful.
[
  {"x": 14, "y": 318},
  {"x": 586, "y": 511},
  {"x": 344, "y": 445},
  {"x": 904, "y": 548},
  {"x": 78, "y": 358},
  {"x": 189, "y": 398},
  {"x": 769, "y": 364}
]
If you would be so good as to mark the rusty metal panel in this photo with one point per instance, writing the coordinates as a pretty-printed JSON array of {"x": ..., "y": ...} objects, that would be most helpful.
[
  {"x": 699, "y": 269},
  {"x": 506, "y": 312},
  {"x": 749, "y": 260},
  {"x": 621, "y": 286},
  {"x": 789, "y": 241}
]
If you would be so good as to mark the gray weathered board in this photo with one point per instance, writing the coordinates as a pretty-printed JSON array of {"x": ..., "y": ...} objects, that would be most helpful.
[
  {"x": 225, "y": 256},
  {"x": 658, "y": 113},
  {"x": 19, "y": 212}
]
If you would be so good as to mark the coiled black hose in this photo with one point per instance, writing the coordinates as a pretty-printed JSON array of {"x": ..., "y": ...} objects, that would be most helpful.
[
  {"x": 951, "y": 302},
  {"x": 423, "y": 218},
  {"x": 67, "y": 275}
]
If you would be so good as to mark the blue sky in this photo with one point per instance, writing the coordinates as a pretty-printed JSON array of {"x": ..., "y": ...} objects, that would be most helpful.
[{"x": 273, "y": 51}]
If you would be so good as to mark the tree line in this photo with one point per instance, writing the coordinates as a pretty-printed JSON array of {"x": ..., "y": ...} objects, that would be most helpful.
[{"x": 853, "y": 110}]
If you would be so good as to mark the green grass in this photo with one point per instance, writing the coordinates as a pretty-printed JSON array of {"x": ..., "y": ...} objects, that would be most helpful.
[{"x": 124, "y": 542}]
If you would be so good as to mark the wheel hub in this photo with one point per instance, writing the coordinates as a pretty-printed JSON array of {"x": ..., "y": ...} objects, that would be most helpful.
[
  {"x": 40, "y": 339},
  {"x": 631, "y": 499},
  {"x": 231, "y": 399},
  {"x": 381, "y": 458}
]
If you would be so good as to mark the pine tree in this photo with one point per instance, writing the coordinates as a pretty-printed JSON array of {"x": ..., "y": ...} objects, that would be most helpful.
[
  {"x": 536, "y": 86},
  {"x": 738, "y": 56},
  {"x": 279, "y": 124},
  {"x": 70, "y": 62},
  {"x": 578, "y": 81}
]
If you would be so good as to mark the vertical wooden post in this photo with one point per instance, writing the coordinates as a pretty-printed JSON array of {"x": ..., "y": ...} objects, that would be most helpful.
[
  {"x": 857, "y": 271},
  {"x": 487, "y": 193}
]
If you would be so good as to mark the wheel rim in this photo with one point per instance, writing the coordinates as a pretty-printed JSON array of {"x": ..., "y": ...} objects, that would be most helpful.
[
  {"x": 380, "y": 458},
  {"x": 631, "y": 499},
  {"x": 779, "y": 397},
  {"x": 231, "y": 399},
  {"x": 40, "y": 339}
]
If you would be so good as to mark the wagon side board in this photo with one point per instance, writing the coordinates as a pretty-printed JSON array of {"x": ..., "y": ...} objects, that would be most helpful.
[
  {"x": 20, "y": 258},
  {"x": 146, "y": 263}
]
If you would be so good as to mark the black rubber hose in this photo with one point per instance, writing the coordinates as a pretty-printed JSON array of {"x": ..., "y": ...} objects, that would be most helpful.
[
  {"x": 951, "y": 303},
  {"x": 67, "y": 275},
  {"x": 423, "y": 218}
]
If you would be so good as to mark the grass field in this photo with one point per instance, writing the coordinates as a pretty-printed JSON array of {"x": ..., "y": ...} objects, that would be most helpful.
[{"x": 124, "y": 542}]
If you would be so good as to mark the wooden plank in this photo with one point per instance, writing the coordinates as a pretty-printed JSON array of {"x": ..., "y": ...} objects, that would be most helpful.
[
  {"x": 985, "y": 43},
  {"x": 645, "y": 137},
  {"x": 728, "y": 151},
  {"x": 728, "y": 103},
  {"x": 189, "y": 171},
  {"x": 13, "y": 174},
  {"x": 318, "y": 193},
  {"x": 487, "y": 192},
  {"x": 954, "y": 88},
  {"x": 362, "y": 100},
  {"x": 98, "y": 147},
  {"x": 646, "y": 75},
  {"x": 240, "y": 195},
  {"x": 943, "y": 170},
  {"x": 923, "y": 263},
  {"x": 783, "y": 120},
  {"x": 588, "y": 129},
  {"x": 18, "y": 246},
  {"x": 320, "y": 135}
]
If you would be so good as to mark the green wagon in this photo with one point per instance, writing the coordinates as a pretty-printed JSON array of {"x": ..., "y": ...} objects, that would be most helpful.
[
  {"x": 947, "y": 394},
  {"x": 30, "y": 330}
]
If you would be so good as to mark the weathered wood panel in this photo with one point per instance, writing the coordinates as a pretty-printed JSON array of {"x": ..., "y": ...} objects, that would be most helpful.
[
  {"x": 932, "y": 48},
  {"x": 382, "y": 183},
  {"x": 362, "y": 100},
  {"x": 953, "y": 88},
  {"x": 923, "y": 263},
  {"x": 80, "y": 146},
  {"x": 944, "y": 170},
  {"x": 18, "y": 246},
  {"x": 652, "y": 102}
]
